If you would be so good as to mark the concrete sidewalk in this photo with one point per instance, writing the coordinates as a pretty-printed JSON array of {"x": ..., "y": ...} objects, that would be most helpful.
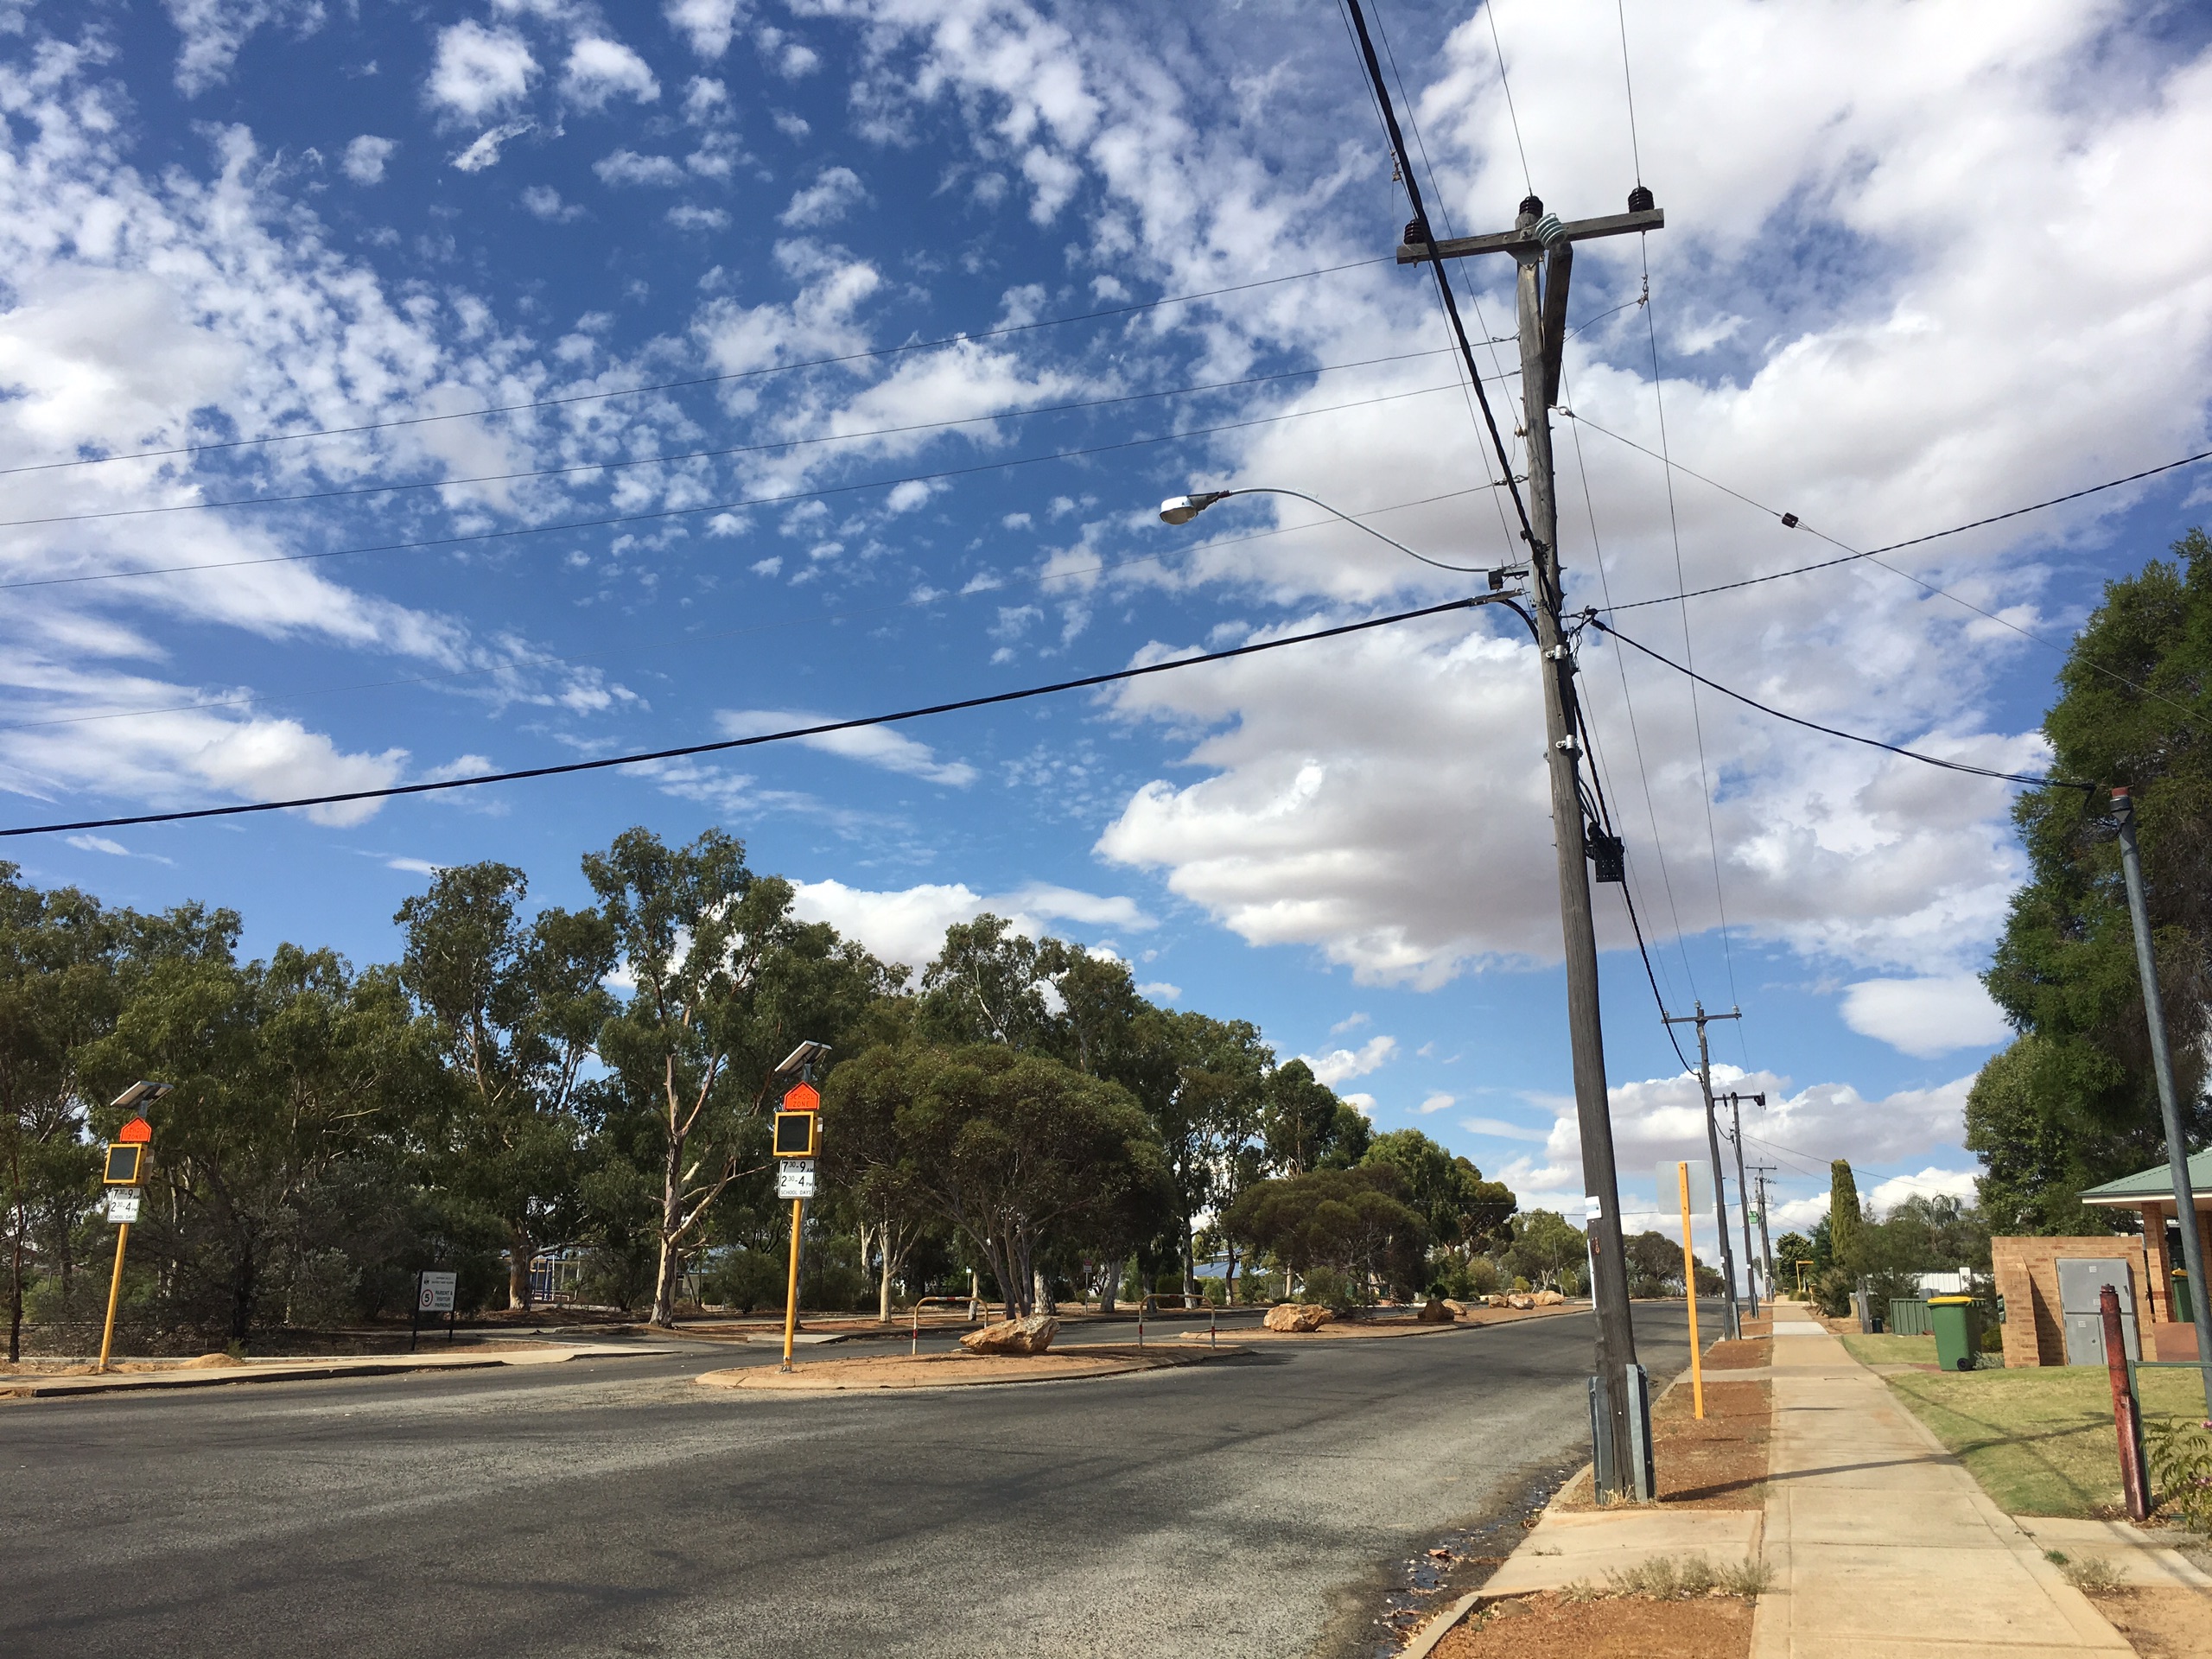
[{"x": 1879, "y": 1540}]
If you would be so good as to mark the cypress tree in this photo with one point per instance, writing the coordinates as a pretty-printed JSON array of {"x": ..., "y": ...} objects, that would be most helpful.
[{"x": 1844, "y": 1218}]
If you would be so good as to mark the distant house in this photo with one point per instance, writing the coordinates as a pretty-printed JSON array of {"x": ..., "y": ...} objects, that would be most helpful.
[{"x": 2030, "y": 1276}]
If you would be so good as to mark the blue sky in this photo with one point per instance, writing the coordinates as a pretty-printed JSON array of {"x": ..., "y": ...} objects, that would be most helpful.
[{"x": 1883, "y": 301}]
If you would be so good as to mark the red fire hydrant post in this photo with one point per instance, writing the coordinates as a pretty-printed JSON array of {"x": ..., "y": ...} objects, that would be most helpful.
[{"x": 2126, "y": 1418}]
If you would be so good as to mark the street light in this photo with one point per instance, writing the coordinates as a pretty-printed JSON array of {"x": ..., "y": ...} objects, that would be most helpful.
[{"x": 1181, "y": 509}]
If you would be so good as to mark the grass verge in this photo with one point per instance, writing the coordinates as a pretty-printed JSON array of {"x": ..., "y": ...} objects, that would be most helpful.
[{"x": 2042, "y": 1441}]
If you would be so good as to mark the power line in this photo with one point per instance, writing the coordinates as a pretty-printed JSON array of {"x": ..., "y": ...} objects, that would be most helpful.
[
  {"x": 1635, "y": 149},
  {"x": 1605, "y": 627},
  {"x": 719, "y": 636},
  {"x": 1789, "y": 520},
  {"x": 663, "y": 513},
  {"x": 1527, "y": 182},
  {"x": 687, "y": 750},
  {"x": 352, "y": 491},
  {"x": 699, "y": 380}
]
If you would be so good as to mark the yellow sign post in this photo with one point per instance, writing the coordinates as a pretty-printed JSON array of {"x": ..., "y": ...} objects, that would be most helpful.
[
  {"x": 798, "y": 1138},
  {"x": 1690, "y": 1295},
  {"x": 124, "y": 1174}
]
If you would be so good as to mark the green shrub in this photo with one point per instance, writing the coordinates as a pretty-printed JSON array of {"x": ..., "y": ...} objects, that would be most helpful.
[
  {"x": 1832, "y": 1293},
  {"x": 745, "y": 1280},
  {"x": 1330, "y": 1288},
  {"x": 2181, "y": 1462}
]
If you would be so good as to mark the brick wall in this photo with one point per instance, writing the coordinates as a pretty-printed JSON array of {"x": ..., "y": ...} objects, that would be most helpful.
[{"x": 2027, "y": 1278}]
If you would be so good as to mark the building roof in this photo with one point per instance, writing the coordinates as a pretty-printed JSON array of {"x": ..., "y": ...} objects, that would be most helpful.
[{"x": 2132, "y": 1191}]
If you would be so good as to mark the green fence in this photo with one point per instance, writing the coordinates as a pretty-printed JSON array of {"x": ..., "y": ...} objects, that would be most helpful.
[{"x": 1908, "y": 1318}]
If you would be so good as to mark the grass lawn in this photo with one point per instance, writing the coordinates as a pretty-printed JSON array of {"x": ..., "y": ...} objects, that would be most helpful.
[
  {"x": 2042, "y": 1441},
  {"x": 1887, "y": 1350}
]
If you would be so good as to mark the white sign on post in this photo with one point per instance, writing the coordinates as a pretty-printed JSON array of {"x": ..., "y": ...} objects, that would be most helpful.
[
  {"x": 1670, "y": 1182},
  {"x": 437, "y": 1296},
  {"x": 795, "y": 1179},
  {"x": 122, "y": 1206}
]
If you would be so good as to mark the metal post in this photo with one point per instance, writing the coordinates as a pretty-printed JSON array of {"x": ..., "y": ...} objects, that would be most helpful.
[
  {"x": 2146, "y": 964},
  {"x": 114, "y": 1290},
  {"x": 415, "y": 1316}
]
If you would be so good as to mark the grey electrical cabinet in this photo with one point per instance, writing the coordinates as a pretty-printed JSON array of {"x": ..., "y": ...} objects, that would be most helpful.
[{"x": 2079, "y": 1278}]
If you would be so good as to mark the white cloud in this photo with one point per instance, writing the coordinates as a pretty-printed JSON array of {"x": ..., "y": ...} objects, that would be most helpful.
[
  {"x": 413, "y": 865},
  {"x": 1925, "y": 1017},
  {"x": 1503, "y": 1129},
  {"x": 598, "y": 69},
  {"x": 829, "y": 199},
  {"x": 211, "y": 31},
  {"x": 545, "y": 202},
  {"x": 365, "y": 157},
  {"x": 479, "y": 71},
  {"x": 484, "y": 151},
  {"x": 1436, "y": 1102},
  {"x": 1930, "y": 1183},
  {"x": 874, "y": 746},
  {"x": 687, "y": 218},
  {"x": 627, "y": 167},
  {"x": 908, "y": 924},
  {"x": 1338, "y": 1064},
  {"x": 707, "y": 24},
  {"x": 1663, "y": 1118},
  {"x": 1160, "y": 991}
]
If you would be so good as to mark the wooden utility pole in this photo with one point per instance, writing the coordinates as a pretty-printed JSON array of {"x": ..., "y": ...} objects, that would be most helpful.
[
  {"x": 1744, "y": 1197},
  {"x": 1766, "y": 1240},
  {"x": 1542, "y": 250},
  {"x": 1730, "y": 1326}
]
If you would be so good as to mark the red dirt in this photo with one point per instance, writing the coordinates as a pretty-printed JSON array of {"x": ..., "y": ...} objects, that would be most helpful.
[{"x": 1548, "y": 1626}]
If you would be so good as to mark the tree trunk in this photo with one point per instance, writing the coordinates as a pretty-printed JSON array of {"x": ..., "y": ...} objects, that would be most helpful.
[
  {"x": 16, "y": 1252},
  {"x": 671, "y": 1218},
  {"x": 1190, "y": 1264},
  {"x": 519, "y": 1253},
  {"x": 1228, "y": 1285}
]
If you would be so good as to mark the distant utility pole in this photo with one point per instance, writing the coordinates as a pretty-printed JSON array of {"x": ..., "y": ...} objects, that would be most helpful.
[
  {"x": 1744, "y": 1196},
  {"x": 1731, "y": 1325},
  {"x": 1766, "y": 1241},
  {"x": 1542, "y": 249}
]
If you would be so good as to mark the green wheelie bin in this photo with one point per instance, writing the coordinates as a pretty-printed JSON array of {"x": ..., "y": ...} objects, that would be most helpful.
[{"x": 1957, "y": 1320}]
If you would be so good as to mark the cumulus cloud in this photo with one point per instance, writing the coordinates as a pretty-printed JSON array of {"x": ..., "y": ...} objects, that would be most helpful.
[
  {"x": 1339, "y": 1065},
  {"x": 598, "y": 69},
  {"x": 908, "y": 925},
  {"x": 1925, "y": 1017},
  {"x": 484, "y": 151},
  {"x": 873, "y": 745},
  {"x": 627, "y": 167},
  {"x": 829, "y": 199},
  {"x": 707, "y": 24},
  {"x": 365, "y": 157},
  {"x": 479, "y": 70}
]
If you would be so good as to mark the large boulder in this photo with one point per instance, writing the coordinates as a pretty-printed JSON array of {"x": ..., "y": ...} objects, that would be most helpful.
[
  {"x": 1549, "y": 1298},
  {"x": 1297, "y": 1316},
  {"x": 1437, "y": 1311},
  {"x": 1031, "y": 1336}
]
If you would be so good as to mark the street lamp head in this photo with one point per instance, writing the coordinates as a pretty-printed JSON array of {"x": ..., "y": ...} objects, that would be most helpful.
[{"x": 1181, "y": 509}]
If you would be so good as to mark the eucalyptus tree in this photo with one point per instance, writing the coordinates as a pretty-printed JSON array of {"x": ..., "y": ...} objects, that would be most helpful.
[
  {"x": 1016, "y": 1152},
  {"x": 516, "y": 1006},
  {"x": 726, "y": 980}
]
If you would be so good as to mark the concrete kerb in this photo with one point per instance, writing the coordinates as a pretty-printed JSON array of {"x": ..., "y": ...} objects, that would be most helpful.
[
  {"x": 31, "y": 1386},
  {"x": 885, "y": 1373}
]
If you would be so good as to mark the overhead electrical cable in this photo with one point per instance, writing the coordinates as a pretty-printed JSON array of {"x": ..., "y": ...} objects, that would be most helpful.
[
  {"x": 1404, "y": 159},
  {"x": 659, "y": 514},
  {"x": 998, "y": 333},
  {"x": 1474, "y": 298},
  {"x": 718, "y": 636},
  {"x": 1605, "y": 627},
  {"x": 351, "y": 492},
  {"x": 820, "y": 729},
  {"x": 1790, "y": 521}
]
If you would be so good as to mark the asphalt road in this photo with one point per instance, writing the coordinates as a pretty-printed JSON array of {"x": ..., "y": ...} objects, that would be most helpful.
[{"x": 1248, "y": 1507}]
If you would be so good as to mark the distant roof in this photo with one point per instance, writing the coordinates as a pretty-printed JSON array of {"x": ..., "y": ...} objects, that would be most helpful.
[{"x": 2130, "y": 1192}]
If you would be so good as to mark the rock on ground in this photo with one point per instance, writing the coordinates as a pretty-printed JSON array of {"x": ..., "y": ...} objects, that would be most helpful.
[
  {"x": 1031, "y": 1336},
  {"x": 1297, "y": 1316},
  {"x": 1436, "y": 1311}
]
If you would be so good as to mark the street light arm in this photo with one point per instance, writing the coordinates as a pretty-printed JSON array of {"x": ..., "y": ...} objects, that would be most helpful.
[{"x": 1181, "y": 509}]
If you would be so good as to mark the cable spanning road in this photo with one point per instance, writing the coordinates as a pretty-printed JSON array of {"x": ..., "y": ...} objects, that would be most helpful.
[{"x": 610, "y": 1507}]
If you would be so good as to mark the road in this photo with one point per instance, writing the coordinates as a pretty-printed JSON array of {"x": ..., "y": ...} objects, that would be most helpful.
[{"x": 1250, "y": 1507}]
